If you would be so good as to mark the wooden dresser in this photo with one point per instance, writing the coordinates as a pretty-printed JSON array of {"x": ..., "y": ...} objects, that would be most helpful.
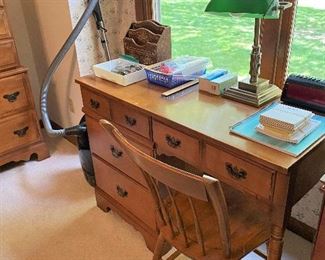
[
  {"x": 20, "y": 135},
  {"x": 195, "y": 129}
]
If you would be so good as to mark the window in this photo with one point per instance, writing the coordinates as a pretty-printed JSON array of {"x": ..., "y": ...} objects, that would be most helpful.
[
  {"x": 227, "y": 41},
  {"x": 308, "y": 45},
  {"x": 271, "y": 68}
]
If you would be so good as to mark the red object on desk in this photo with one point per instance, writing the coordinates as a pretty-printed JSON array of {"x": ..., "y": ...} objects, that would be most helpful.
[{"x": 319, "y": 248}]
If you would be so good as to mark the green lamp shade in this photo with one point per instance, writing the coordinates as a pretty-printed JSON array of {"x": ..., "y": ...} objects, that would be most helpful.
[{"x": 248, "y": 8}]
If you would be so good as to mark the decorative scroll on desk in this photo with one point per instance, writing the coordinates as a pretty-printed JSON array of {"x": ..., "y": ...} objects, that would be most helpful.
[{"x": 246, "y": 128}]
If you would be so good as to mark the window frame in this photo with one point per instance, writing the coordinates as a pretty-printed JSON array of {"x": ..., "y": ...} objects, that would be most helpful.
[{"x": 274, "y": 64}]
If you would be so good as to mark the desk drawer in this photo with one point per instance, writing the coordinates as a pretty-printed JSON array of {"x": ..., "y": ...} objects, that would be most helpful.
[
  {"x": 4, "y": 27},
  {"x": 107, "y": 148},
  {"x": 176, "y": 143},
  {"x": 13, "y": 94},
  {"x": 131, "y": 119},
  {"x": 8, "y": 55},
  {"x": 18, "y": 130},
  {"x": 129, "y": 194},
  {"x": 95, "y": 103},
  {"x": 238, "y": 172}
]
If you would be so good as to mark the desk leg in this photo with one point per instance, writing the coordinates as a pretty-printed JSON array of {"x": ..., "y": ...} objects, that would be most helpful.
[
  {"x": 280, "y": 212},
  {"x": 275, "y": 244}
]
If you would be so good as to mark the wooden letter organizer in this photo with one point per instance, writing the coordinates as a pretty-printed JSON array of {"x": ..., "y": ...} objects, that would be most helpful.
[{"x": 148, "y": 41}]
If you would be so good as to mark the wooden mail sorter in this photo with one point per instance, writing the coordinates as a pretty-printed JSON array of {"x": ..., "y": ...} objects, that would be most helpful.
[{"x": 148, "y": 41}]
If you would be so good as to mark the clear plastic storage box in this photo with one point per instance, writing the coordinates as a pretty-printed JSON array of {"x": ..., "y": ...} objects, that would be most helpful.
[{"x": 174, "y": 72}]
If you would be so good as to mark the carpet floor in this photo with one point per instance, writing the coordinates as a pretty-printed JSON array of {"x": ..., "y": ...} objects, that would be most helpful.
[{"x": 48, "y": 211}]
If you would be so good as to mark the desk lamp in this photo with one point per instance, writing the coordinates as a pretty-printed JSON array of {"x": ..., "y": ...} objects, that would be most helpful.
[{"x": 258, "y": 9}]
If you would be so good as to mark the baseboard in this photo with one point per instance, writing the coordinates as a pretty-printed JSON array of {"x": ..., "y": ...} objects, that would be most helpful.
[
  {"x": 301, "y": 229},
  {"x": 71, "y": 139}
]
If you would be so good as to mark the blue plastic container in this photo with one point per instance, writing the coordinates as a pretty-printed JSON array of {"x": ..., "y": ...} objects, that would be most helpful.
[{"x": 170, "y": 80}]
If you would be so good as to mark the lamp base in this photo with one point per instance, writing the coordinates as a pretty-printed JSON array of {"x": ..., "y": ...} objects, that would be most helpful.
[{"x": 257, "y": 87}]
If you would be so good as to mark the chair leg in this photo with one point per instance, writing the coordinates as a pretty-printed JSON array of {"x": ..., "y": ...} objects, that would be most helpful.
[{"x": 159, "y": 247}]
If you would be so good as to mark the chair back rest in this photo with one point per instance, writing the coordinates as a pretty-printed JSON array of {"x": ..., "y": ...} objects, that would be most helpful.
[{"x": 175, "y": 180}]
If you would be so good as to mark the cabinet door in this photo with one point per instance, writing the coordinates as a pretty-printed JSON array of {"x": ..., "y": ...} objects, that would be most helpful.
[
  {"x": 13, "y": 94},
  {"x": 18, "y": 131},
  {"x": 8, "y": 55},
  {"x": 105, "y": 146},
  {"x": 125, "y": 191}
]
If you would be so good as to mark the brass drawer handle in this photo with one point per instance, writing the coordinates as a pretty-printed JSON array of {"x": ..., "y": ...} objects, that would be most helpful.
[
  {"x": 172, "y": 141},
  {"x": 121, "y": 192},
  {"x": 235, "y": 172},
  {"x": 115, "y": 152},
  {"x": 21, "y": 132},
  {"x": 94, "y": 103},
  {"x": 12, "y": 97},
  {"x": 130, "y": 121}
]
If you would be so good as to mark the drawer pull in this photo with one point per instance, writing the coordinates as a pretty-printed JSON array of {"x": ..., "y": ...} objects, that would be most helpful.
[
  {"x": 121, "y": 192},
  {"x": 115, "y": 152},
  {"x": 94, "y": 103},
  {"x": 21, "y": 132},
  {"x": 172, "y": 141},
  {"x": 235, "y": 172},
  {"x": 12, "y": 97},
  {"x": 130, "y": 121}
]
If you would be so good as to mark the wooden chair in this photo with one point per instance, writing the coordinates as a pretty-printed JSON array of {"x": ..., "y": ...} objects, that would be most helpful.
[{"x": 199, "y": 216}]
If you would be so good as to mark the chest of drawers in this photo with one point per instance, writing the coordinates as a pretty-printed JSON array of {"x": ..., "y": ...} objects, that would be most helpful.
[{"x": 20, "y": 133}]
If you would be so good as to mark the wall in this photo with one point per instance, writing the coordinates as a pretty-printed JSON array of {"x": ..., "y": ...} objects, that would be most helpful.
[
  {"x": 117, "y": 15},
  {"x": 40, "y": 29},
  {"x": 47, "y": 25}
]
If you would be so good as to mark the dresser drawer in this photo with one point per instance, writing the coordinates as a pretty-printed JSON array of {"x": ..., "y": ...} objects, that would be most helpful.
[
  {"x": 4, "y": 27},
  {"x": 106, "y": 147},
  {"x": 95, "y": 103},
  {"x": 8, "y": 55},
  {"x": 176, "y": 143},
  {"x": 131, "y": 119},
  {"x": 13, "y": 93},
  {"x": 128, "y": 193},
  {"x": 18, "y": 130},
  {"x": 238, "y": 172}
]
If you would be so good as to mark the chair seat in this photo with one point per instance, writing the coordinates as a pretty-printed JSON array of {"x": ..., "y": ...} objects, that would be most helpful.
[{"x": 249, "y": 225}]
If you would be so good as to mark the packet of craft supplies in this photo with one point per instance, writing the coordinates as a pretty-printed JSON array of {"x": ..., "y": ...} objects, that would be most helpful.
[
  {"x": 187, "y": 67},
  {"x": 124, "y": 67}
]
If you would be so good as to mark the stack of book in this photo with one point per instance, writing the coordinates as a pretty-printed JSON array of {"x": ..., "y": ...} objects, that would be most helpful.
[
  {"x": 253, "y": 95},
  {"x": 287, "y": 123}
]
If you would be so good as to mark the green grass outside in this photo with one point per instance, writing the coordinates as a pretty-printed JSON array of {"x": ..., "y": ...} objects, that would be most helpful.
[{"x": 228, "y": 40}]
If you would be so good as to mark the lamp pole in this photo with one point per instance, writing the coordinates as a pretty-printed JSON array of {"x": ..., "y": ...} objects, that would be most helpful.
[{"x": 256, "y": 54}]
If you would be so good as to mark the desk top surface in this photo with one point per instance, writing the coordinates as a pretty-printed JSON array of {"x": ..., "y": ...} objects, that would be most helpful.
[{"x": 207, "y": 116}]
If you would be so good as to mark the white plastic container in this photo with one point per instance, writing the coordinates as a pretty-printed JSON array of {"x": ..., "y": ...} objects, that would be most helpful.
[{"x": 105, "y": 71}]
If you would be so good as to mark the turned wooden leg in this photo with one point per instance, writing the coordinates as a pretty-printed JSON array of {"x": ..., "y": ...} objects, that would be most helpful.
[
  {"x": 159, "y": 247},
  {"x": 275, "y": 245}
]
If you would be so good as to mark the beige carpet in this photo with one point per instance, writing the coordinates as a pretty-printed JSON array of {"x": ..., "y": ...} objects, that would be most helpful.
[{"x": 48, "y": 211}]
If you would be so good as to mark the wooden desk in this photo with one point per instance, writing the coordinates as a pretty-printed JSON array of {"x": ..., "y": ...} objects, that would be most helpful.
[{"x": 194, "y": 128}]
